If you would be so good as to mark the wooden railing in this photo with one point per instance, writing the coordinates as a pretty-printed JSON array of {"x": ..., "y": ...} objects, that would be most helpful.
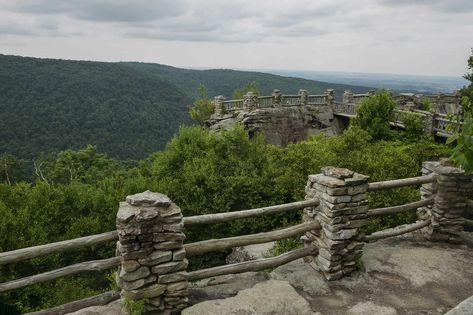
[
  {"x": 316, "y": 99},
  {"x": 406, "y": 228},
  {"x": 205, "y": 246}
]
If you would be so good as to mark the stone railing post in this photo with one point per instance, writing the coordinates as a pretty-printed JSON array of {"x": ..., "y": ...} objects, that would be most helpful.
[
  {"x": 153, "y": 259},
  {"x": 450, "y": 191},
  {"x": 276, "y": 98},
  {"x": 348, "y": 97},
  {"x": 330, "y": 98},
  {"x": 218, "y": 104},
  {"x": 304, "y": 95},
  {"x": 249, "y": 101},
  {"x": 341, "y": 213},
  {"x": 430, "y": 124}
]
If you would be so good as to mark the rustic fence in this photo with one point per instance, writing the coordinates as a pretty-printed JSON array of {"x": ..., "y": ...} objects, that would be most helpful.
[{"x": 152, "y": 253}]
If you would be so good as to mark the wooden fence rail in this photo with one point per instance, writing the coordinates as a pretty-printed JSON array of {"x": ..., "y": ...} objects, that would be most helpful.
[
  {"x": 253, "y": 265},
  {"x": 401, "y": 182},
  {"x": 41, "y": 250},
  {"x": 242, "y": 214},
  {"x": 101, "y": 299},
  {"x": 401, "y": 208},
  {"x": 95, "y": 265},
  {"x": 202, "y": 247},
  {"x": 398, "y": 230}
]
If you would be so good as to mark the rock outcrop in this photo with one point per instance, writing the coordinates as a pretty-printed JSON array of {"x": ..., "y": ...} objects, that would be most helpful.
[{"x": 281, "y": 125}]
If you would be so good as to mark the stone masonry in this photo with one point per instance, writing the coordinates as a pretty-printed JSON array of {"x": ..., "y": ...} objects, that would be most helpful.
[
  {"x": 341, "y": 213},
  {"x": 152, "y": 255},
  {"x": 451, "y": 190}
]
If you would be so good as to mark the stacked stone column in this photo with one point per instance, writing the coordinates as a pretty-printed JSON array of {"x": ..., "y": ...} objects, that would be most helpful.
[
  {"x": 450, "y": 191},
  {"x": 249, "y": 101},
  {"x": 348, "y": 97},
  {"x": 341, "y": 213},
  {"x": 304, "y": 95},
  {"x": 276, "y": 98},
  {"x": 153, "y": 260},
  {"x": 330, "y": 97},
  {"x": 429, "y": 124},
  {"x": 218, "y": 104}
]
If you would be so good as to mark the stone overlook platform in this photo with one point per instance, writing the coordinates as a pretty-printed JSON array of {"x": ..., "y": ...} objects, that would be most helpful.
[{"x": 283, "y": 119}]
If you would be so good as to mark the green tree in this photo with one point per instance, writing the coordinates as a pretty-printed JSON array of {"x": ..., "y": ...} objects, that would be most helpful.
[
  {"x": 374, "y": 114},
  {"x": 462, "y": 154},
  {"x": 250, "y": 87},
  {"x": 202, "y": 108}
]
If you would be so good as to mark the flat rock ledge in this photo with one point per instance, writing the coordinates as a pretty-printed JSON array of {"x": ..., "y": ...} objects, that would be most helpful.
[{"x": 403, "y": 275}]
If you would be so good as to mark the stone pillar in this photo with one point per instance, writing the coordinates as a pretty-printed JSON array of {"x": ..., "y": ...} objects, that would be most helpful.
[
  {"x": 152, "y": 256},
  {"x": 341, "y": 213},
  {"x": 450, "y": 191},
  {"x": 430, "y": 124},
  {"x": 348, "y": 97},
  {"x": 218, "y": 103},
  {"x": 330, "y": 97},
  {"x": 304, "y": 95},
  {"x": 277, "y": 98},
  {"x": 249, "y": 101}
]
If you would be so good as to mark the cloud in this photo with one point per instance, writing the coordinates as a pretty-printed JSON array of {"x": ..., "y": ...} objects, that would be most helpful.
[
  {"x": 103, "y": 11},
  {"x": 443, "y": 6}
]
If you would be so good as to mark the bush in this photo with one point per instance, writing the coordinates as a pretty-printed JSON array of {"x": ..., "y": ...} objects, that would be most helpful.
[
  {"x": 374, "y": 114},
  {"x": 414, "y": 125}
]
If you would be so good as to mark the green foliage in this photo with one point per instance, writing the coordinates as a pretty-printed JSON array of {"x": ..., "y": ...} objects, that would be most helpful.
[
  {"x": 414, "y": 124},
  {"x": 135, "y": 307},
  {"x": 203, "y": 173},
  {"x": 462, "y": 153},
  {"x": 426, "y": 104},
  {"x": 250, "y": 87},
  {"x": 374, "y": 114},
  {"x": 285, "y": 245},
  {"x": 202, "y": 107}
]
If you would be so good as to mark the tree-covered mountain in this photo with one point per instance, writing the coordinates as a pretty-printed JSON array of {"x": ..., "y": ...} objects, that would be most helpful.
[{"x": 128, "y": 110}]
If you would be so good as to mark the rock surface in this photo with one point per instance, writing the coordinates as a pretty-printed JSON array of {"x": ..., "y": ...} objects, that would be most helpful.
[
  {"x": 250, "y": 252},
  {"x": 404, "y": 275},
  {"x": 266, "y": 298}
]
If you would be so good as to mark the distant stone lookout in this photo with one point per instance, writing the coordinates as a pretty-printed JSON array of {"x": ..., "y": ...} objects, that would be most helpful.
[{"x": 283, "y": 119}]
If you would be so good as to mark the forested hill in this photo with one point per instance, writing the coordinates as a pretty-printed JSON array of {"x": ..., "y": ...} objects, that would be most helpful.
[{"x": 127, "y": 109}]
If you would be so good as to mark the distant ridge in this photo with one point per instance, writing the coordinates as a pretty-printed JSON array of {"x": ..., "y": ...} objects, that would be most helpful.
[{"x": 127, "y": 109}]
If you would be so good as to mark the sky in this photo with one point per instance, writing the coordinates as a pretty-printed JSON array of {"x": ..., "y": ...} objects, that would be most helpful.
[{"x": 430, "y": 37}]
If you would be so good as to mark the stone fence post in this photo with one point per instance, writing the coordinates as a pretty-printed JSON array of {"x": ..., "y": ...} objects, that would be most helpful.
[
  {"x": 304, "y": 95},
  {"x": 342, "y": 212},
  {"x": 330, "y": 97},
  {"x": 348, "y": 97},
  {"x": 430, "y": 124},
  {"x": 152, "y": 256},
  {"x": 450, "y": 191},
  {"x": 249, "y": 101},
  {"x": 276, "y": 98},
  {"x": 218, "y": 103}
]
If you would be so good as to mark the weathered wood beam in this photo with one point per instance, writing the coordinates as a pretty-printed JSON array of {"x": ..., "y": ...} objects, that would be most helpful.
[
  {"x": 401, "y": 208},
  {"x": 253, "y": 265},
  {"x": 98, "y": 300},
  {"x": 234, "y": 215},
  {"x": 401, "y": 182},
  {"x": 466, "y": 237},
  {"x": 41, "y": 250},
  {"x": 95, "y": 265},
  {"x": 202, "y": 247},
  {"x": 398, "y": 230}
]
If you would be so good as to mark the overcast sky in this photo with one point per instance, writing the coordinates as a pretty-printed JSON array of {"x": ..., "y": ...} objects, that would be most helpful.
[{"x": 390, "y": 36}]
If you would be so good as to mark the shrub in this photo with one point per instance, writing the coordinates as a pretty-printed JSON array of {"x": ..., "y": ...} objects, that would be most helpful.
[{"x": 374, "y": 114}]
